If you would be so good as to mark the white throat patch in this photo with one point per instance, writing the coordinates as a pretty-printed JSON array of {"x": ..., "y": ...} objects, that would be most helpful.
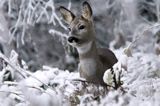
[{"x": 85, "y": 48}]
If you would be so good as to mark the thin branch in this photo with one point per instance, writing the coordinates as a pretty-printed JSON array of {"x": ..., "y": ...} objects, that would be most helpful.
[
  {"x": 141, "y": 34},
  {"x": 12, "y": 65},
  {"x": 18, "y": 94},
  {"x": 157, "y": 9},
  {"x": 20, "y": 70},
  {"x": 34, "y": 87},
  {"x": 53, "y": 32}
]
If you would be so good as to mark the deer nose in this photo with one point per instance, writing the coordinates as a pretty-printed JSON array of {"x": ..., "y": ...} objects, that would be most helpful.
[{"x": 71, "y": 39}]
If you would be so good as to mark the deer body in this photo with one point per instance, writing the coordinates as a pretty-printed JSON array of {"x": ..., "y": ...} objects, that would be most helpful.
[{"x": 93, "y": 61}]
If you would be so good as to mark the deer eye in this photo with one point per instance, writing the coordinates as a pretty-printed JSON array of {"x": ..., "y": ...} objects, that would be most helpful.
[{"x": 81, "y": 27}]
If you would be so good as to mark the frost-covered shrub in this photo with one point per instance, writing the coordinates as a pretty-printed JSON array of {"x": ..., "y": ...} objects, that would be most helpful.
[{"x": 52, "y": 86}]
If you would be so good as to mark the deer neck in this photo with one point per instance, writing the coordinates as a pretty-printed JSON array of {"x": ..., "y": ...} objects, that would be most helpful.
[{"x": 88, "y": 51}]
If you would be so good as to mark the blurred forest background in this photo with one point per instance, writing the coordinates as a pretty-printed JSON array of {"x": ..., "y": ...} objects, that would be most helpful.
[
  {"x": 37, "y": 73},
  {"x": 33, "y": 28}
]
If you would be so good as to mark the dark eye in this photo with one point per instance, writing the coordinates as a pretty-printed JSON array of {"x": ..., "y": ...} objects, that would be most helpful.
[
  {"x": 69, "y": 28},
  {"x": 81, "y": 27}
]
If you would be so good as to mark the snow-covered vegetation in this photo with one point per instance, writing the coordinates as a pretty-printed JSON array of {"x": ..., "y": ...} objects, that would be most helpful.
[{"x": 28, "y": 78}]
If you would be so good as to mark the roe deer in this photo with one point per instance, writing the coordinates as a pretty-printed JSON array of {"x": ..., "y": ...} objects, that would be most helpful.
[{"x": 93, "y": 61}]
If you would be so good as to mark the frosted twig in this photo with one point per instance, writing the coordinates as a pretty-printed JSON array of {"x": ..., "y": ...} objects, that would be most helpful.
[
  {"x": 69, "y": 5},
  {"x": 30, "y": 12},
  {"x": 53, "y": 32},
  {"x": 16, "y": 84},
  {"x": 18, "y": 23},
  {"x": 23, "y": 32},
  {"x": 20, "y": 70},
  {"x": 81, "y": 80},
  {"x": 12, "y": 65},
  {"x": 141, "y": 34},
  {"x": 59, "y": 21},
  {"x": 157, "y": 9},
  {"x": 10, "y": 83},
  {"x": 12, "y": 92},
  {"x": 17, "y": 94},
  {"x": 9, "y": 7}
]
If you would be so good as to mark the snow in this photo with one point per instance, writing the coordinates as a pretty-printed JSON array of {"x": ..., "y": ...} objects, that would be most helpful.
[
  {"x": 141, "y": 86},
  {"x": 108, "y": 77}
]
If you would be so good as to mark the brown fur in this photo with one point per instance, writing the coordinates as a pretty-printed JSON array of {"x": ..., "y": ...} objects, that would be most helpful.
[{"x": 93, "y": 61}]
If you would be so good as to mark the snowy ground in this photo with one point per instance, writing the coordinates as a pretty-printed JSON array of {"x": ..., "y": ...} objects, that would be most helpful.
[{"x": 53, "y": 87}]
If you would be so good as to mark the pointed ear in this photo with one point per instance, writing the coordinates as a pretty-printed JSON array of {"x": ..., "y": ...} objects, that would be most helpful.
[
  {"x": 67, "y": 15},
  {"x": 86, "y": 10}
]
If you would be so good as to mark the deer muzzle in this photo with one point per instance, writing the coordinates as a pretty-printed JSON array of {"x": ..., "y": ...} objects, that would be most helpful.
[{"x": 73, "y": 39}]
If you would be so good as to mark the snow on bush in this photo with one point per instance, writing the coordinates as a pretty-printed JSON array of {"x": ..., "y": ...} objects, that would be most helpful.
[{"x": 52, "y": 86}]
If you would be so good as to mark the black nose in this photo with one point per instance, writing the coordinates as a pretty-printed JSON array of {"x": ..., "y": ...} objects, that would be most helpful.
[{"x": 71, "y": 39}]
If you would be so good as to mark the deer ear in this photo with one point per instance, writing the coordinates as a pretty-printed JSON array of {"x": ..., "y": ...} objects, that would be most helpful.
[
  {"x": 86, "y": 10},
  {"x": 67, "y": 15}
]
